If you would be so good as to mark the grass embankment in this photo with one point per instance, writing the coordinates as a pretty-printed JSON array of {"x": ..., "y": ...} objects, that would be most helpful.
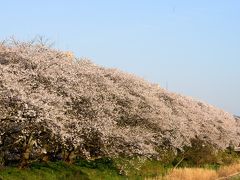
[
  {"x": 198, "y": 162},
  {"x": 59, "y": 170},
  {"x": 118, "y": 169},
  {"x": 97, "y": 169}
]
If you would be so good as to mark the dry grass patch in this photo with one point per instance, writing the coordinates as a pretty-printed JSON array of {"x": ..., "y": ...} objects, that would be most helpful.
[
  {"x": 226, "y": 171},
  {"x": 200, "y": 173},
  {"x": 192, "y": 174}
]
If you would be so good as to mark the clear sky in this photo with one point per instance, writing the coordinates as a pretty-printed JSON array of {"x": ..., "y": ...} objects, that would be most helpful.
[{"x": 194, "y": 45}]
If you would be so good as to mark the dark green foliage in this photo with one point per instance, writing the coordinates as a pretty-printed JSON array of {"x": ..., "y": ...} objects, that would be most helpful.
[
  {"x": 227, "y": 157},
  {"x": 103, "y": 163},
  {"x": 203, "y": 154},
  {"x": 199, "y": 153}
]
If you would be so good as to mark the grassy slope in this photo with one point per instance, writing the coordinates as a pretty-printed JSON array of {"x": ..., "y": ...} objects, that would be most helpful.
[
  {"x": 56, "y": 171},
  {"x": 134, "y": 168},
  {"x": 98, "y": 169},
  {"x": 106, "y": 170}
]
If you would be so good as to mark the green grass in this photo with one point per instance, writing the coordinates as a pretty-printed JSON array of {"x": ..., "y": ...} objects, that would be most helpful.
[
  {"x": 118, "y": 168},
  {"x": 98, "y": 169},
  {"x": 56, "y": 171},
  {"x": 44, "y": 171}
]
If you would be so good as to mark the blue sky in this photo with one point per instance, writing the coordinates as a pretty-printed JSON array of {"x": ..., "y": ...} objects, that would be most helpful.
[{"x": 194, "y": 45}]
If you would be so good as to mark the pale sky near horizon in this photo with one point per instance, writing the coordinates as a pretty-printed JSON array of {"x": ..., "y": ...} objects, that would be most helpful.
[{"x": 193, "y": 45}]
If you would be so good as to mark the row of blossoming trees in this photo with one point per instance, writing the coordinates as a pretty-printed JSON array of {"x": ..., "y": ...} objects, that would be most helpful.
[{"x": 55, "y": 106}]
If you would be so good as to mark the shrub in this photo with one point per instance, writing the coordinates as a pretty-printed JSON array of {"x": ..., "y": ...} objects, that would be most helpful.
[{"x": 198, "y": 154}]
